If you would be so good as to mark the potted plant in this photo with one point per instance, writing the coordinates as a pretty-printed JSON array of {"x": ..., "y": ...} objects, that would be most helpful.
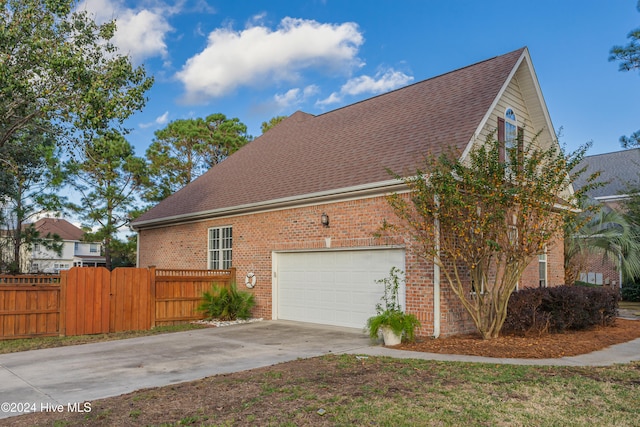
[{"x": 390, "y": 320}]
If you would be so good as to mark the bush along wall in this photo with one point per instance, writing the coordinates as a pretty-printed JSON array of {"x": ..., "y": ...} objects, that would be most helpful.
[
  {"x": 631, "y": 292},
  {"x": 561, "y": 308}
]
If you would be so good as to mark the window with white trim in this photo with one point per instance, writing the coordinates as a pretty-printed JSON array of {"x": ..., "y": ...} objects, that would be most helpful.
[
  {"x": 510, "y": 137},
  {"x": 510, "y": 132},
  {"x": 542, "y": 269},
  {"x": 220, "y": 248},
  {"x": 93, "y": 248}
]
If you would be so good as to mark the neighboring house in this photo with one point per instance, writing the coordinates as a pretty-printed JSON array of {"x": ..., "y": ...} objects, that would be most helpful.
[
  {"x": 75, "y": 252},
  {"x": 619, "y": 174},
  {"x": 299, "y": 207}
]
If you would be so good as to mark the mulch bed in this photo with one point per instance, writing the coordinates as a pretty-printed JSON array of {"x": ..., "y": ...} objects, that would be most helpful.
[{"x": 546, "y": 346}]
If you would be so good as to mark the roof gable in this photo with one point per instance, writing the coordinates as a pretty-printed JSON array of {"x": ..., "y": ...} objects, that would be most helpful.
[
  {"x": 352, "y": 146},
  {"x": 522, "y": 77}
]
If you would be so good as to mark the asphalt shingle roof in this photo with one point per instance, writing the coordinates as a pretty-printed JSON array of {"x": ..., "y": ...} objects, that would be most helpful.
[
  {"x": 61, "y": 227},
  {"x": 350, "y": 146},
  {"x": 617, "y": 170}
]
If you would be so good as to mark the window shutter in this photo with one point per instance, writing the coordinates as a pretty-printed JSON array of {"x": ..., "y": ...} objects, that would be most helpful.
[
  {"x": 520, "y": 145},
  {"x": 501, "y": 155}
]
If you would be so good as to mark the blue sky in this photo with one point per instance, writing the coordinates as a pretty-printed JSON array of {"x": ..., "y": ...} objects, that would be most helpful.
[{"x": 257, "y": 59}]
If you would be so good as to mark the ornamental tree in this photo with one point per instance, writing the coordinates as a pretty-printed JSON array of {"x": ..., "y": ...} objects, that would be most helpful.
[{"x": 483, "y": 219}]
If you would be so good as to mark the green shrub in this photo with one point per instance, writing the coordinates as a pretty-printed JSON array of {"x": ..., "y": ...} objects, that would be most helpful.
[
  {"x": 227, "y": 303},
  {"x": 391, "y": 315},
  {"x": 403, "y": 324},
  {"x": 631, "y": 292},
  {"x": 561, "y": 308}
]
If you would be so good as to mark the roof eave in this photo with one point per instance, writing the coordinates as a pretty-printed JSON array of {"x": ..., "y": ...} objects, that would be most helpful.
[{"x": 322, "y": 197}]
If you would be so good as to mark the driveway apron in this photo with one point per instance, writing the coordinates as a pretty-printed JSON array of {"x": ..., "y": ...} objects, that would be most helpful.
[{"x": 70, "y": 375}]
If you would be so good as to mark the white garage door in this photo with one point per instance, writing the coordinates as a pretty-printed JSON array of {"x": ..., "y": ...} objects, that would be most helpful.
[{"x": 333, "y": 287}]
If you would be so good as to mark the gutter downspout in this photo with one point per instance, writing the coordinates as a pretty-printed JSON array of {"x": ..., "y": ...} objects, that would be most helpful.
[
  {"x": 436, "y": 281},
  {"x": 138, "y": 251}
]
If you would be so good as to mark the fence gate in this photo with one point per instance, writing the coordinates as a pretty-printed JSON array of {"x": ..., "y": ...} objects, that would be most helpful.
[
  {"x": 86, "y": 301},
  {"x": 131, "y": 300}
]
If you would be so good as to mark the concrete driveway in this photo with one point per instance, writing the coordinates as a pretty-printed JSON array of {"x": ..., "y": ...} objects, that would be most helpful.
[{"x": 75, "y": 374}]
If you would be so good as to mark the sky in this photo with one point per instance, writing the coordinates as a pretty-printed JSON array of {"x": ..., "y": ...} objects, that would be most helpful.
[{"x": 256, "y": 59}]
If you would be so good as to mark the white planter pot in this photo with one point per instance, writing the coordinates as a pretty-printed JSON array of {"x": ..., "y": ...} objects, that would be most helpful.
[{"x": 389, "y": 337}]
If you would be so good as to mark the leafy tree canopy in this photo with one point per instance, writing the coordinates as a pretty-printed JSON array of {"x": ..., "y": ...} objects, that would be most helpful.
[
  {"x": 107, "y": 177},
  {"x": 30, "y": 176},
  {"x": 628, "y": 57},
  {"x": 608, "y": 234},
  {"x": 57, "y": 67},
  {"x": 271, "y": 123},
  {"x": 187, "y": 148}
]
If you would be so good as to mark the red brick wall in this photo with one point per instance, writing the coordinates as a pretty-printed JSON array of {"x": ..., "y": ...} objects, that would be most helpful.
[
  {"x": 352, "y": 224},
  {"x": 596, "y": 264},
  {"x": 555, "y": 267}
]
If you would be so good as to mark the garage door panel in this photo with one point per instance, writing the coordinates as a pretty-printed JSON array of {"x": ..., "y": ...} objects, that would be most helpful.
[{"x": 333, "y": 287}]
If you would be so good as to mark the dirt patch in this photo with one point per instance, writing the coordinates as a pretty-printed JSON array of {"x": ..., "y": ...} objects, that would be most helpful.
[{"x": 548, "y": 346}]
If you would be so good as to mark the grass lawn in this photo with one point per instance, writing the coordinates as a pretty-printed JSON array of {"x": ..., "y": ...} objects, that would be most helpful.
[
  {"x": 12, "y": 346},
  {"x": 351, "y": 390},
  {"x": 633, "y": 306}
]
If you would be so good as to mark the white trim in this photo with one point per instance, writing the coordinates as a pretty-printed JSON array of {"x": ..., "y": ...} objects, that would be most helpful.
[
  {"x": 614, "y": 197},
  {"x": 436, "y": 282},
  {"x": 275, "y": 265},
  {"x": 545, "y": 254},
  {"x": 339, "y": 249},
  {"x": 323, "y": 197},
  {"x": 221, "y": 250},
  {"x": 274, "y": 285},
  {"x": 138, "y": 251}
]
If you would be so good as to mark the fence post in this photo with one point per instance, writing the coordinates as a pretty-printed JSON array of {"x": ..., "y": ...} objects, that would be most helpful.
[
  {"x": 62, "y": 304},
  {"x": 152, "y": 296},
  {"x": 232, "y": 276}
]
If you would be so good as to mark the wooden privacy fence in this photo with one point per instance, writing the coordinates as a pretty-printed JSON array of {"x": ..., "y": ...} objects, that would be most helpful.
[
  {"x": 88, "y": 300},
  {"x": 29, "y": 305}
]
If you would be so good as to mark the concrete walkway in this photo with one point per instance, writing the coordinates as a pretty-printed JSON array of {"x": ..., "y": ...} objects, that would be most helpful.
[{"x": 75, "y": 374}]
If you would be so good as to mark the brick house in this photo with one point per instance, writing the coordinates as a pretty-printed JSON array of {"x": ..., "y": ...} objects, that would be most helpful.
[
  {"x": 299, "y": 206},
  {"x": 618, "y": 175}
]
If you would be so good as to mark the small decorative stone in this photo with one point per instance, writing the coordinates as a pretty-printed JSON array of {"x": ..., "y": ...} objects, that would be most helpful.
[
  {"x": 214, "y": 322},
  {"x": 321, "y": 412}
]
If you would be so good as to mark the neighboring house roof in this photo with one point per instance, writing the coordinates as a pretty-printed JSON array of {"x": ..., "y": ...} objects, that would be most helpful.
[
  {"x": 348, "y": 148},
  {"x": 618, "y": 171},
  {"x": 61, "y": 227}
]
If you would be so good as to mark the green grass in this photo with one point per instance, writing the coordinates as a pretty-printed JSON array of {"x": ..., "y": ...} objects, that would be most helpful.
[
  {"x": 345, "y": 390},
  {"x": 26, "y": 344},
  {"x": 633, "y": 306}
]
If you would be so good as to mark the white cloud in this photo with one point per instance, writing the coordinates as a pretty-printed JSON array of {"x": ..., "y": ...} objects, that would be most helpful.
[
  {"x": 383, "y": 81},
  {"x": 160, "y": 120},
  {"x": 140, "y": 32},
  {"x": 290, "y": 98},
  {"x": 257, "y": 55},
  {"x": 163, "y": 118},
  {"x": 294, "y": 96},
  {"x": 334, "y": 98}
]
